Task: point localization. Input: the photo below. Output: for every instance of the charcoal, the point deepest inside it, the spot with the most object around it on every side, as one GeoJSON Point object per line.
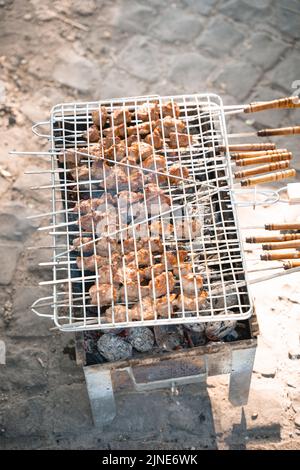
{"type": "Point", "coordinates": [113, 348]}
{"type": "Point", "coordinates": [94, 358]}
{"type": "Point", "coordinates": [195, 338]}
{"type": "Point", "coordinates": [219, 330]}
{"type": "Point", "coordinates": [169, 337]}
{"type": "Point", "coordinates": [141, 339]}
{"type": "Point", "coordinates": [195, 327]}
{"type": "Point", "coordinates": [232, 336]}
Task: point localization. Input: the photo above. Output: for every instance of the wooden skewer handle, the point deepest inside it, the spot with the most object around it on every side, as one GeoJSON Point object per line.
{"type": "Point", "coordinates": [259, 153]}
{"type": "Point", "coordinates": [279, 175]}
{"type": "Point", "coordinates": [281, 246]}
{"type": "Point", "coordinates": [262, 169]}
{"type": "Point", "coordinates": [248, 147]}
{"type": "Point", "coordinates": [291, 264]}
{"type": "Point", "coordinates": [274, 256]}
{"type": "Point", "coordinates": [279, 131]}
{"type": "Point", "coordinates": [274, 238]}
{"type": "Point", "coordinates": [264, 159]}
{"type": "Point", "coordinates": [283, 226]}
{"type": "Point", "coordinates": [282, 103]}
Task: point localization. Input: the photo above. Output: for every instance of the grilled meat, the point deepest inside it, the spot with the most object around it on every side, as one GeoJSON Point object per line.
{"type": "Point", "coordinates": [141, 257]}
{"type": "Point", "coordinates": [143, 310]}
{"type": "Point", "coordinates": [131, 167]}
{"type": "Point", "coordinates": [92, 134]}
{"type": "Point", "coordinates": [170, 109]}
{"type": "Point", "coordinates": [116, 152]}
{"type": "Point", "coordinates": [116, 313]}
{"type": "Point", "coordinates": [131, 139]}
{"type": "Point", "coordinates": [152, 271]}
{"type": "Point", "coordinates": [171, 258]}
{"type": "Point", "coordinates": [154, 139]}
{"type": "Point", "coordinates": [126, 198]}
{"type": "Point", "coordinates": [163, 283]}
{"type": "Point", "coordinates": [107, 273]}
{"type": "Point", "coordinates": [148, 112]}
{"type": "Point", "coordinates": [183, 268]}
{"type": "Point", "coordinates": [155, 162]}
{"type": "Point", "coordinates": [107, 142]}
{"type": "Point", "coordinates": [155, 244]}
{"type": "Point", "coordinates": [87, 205]}
{"type": "Point", "coordinates": [178, 170]}
{"type": "Point", "coordinates": [80, 173]}
{"type": "Point", "coordinates": [105, 244]}
{"type": "Point", "coordinates": [100, 170]}
{"type": "Point", "coordinates": [99, 220]}
{"type": "Point", "coordinates": [163, 304]}
{"type": "Point", "coordinates": [133, 292]}
{"type": "Point", "coordinates": [99, 116]}
{"type": "Point", "coordinates": [145, 128]}
{"type": "Point", "coordinates": [127, 274]}
{"type": "Point", "coordinates": [179, 140]}
{"type": "Point", "coordinates": [157, 228]}
{"type": "Point", "coordinates": [89, 263]}
{"type": "Point", "coordinates": [169, 124]}
{"type": "Point", "coordinates": [125, 131]}
{"type": "Point", "coordinates": [118, 179]}
{"type": "Point", "coordinates": [70, 156]}
{"type": "Point", "coordinates": [120, 116]}
{"type": "Point", "coordinates": [155, 195]}
{"type": "Point", "coordinates": [140, 151]}
{"type": "Point", "coordinates": [192, 284]}
{"type": "Point", "coordinates": [87, 242]}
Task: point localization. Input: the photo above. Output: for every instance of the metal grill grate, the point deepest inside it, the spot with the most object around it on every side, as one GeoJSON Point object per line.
{"type": "Point", "coordinates": [193, 219]}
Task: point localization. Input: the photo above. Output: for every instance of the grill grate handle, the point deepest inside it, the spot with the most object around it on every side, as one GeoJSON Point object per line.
{"type": "Point", "coordinates": [282, 103]}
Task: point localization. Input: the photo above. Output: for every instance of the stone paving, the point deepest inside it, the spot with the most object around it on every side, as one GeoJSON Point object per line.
{"type": "Point", "coordinates": [58, 51]}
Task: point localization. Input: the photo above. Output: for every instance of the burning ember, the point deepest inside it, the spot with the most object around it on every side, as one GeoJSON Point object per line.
{"type": "Point", "coordinates": [121, 344]}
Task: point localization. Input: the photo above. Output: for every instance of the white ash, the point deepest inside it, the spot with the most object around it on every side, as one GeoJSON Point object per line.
{"type": "Point", "coordinates": [114, 348]}
{"type": "Point", "coordinates": [218, 330]}
{"type": "Point", "coordinates": [141, 338]}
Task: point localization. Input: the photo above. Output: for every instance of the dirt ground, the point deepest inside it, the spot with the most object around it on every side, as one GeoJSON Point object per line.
{"type": "Point", "coordinates": [59, 51]}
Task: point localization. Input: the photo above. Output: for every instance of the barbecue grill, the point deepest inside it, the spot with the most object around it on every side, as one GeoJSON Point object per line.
{"type": "Point", "coordinates": [199, 219]}
{"type": "Point", "coordinates": [203, 198]}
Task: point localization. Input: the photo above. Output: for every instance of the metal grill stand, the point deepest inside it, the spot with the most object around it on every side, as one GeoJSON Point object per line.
{"type": "Point", "coordinates": [169, 370]}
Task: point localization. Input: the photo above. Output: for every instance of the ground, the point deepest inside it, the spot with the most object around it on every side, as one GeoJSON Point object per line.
{"type": "Point", "coordinates": [52, 52]}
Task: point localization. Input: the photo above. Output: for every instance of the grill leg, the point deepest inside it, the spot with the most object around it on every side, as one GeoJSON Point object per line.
{"type": "Point", "coordinates": [101, 395]}
{"type": "Point", "coordinates": [240, 376]}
